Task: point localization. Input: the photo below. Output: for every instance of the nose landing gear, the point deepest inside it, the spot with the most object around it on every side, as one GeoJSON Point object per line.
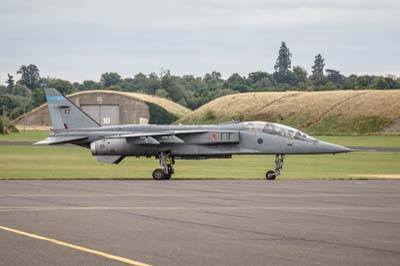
{"type": "Point", "coordinates": [166, 162]}
{"type": "Point", "coordinates": [271, 175]}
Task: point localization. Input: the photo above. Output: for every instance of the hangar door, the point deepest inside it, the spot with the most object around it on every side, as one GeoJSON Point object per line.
{"type": "Point", "coordinates": [103, 114]}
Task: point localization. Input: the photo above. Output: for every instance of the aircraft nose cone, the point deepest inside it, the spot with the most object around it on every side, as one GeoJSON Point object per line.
{"type": "Point", "coordinates": [333, 148]}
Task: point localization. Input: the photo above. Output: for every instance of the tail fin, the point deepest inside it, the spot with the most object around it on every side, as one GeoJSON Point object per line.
{"type": "Point", "coordinates": [64, 114]}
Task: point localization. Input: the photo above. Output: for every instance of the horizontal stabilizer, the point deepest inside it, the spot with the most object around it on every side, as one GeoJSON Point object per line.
{"type": "Point", "coordinates": [59, 140]}
{"type": "Point", "coordinates": [116, 159]}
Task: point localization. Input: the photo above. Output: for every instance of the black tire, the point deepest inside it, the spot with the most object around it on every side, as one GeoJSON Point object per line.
{"type": "Point", "coordinates": [270, 175]}
{"type": "Point", "coordinates": [167, 176]}
{"type": "Point", "coordinates": [158, 174]}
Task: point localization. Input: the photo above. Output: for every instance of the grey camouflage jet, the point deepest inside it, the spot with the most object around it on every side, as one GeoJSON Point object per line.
{"type": "Point", "coordinates": [111, 144]}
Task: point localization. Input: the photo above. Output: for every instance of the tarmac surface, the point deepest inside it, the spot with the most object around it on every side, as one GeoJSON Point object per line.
{"type": "Point", "coordinates": [203, 222]}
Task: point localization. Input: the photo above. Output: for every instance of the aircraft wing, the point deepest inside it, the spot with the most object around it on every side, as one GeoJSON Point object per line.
{"type": "Point", "coordinates": [197, 136]}
{"type": "Point", "coordinates": [52, 140]}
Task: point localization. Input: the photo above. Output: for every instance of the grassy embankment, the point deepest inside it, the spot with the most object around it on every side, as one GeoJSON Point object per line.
{"type": "Point", "coordinates": [358, 112]}
{"type": "Point", "coordinates": [30, 162]}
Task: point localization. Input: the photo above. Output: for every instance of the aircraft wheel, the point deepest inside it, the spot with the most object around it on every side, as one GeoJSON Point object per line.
{"type": "Point", "coordinates": [270, 175]}
{"type": "Point", "coordinates": [167, 176]}
{"type": "Point", "coordinates": [158, 174]}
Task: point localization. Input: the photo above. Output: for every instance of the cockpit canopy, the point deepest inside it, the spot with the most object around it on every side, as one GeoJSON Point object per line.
{"type": "Point", "coordinates": [278, 129]}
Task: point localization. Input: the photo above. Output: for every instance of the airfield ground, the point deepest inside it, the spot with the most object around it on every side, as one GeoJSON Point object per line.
{"type": "Point", "coordinates": [20, 160]}
{"type": "Point", "coordinates": [199, 222]}
{"type": "Point", "coordinates": [207, 222]}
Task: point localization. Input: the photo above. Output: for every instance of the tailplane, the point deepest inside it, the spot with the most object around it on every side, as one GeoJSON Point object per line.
{"type": "Point", "coordinates": [64, 114]}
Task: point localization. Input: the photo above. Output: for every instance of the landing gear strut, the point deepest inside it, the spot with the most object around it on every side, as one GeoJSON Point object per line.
{"type": "Point", "coordinates": [271, 175]}
{"type": "Point", "coordinates": [166, 162]}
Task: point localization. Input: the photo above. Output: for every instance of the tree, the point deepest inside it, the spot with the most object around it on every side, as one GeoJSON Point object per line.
{"type": "Point", "coordinates": [110, 79]}
{"type": "Point", "coordinates": [90, 85]}
{"type": "Point", "coordinates": [283, 65]}
{"type": "Point", "coordinates": [350, 82]}
{"type": "Point", "coordinates": [364, 81]}
{"type": "Point", "coordinates": [175, 89]}
{"type": "Point", "coordinates": [299, 75]}
{"type": "Point", "coordinates": [10, 84]}
{"type": "Point", "coordinates": [30, 76]}
{"type": "Point", "coordinates": [38, 96]}
{"type": "Point", "coordinates": [335, 77]}
{"type": "Point", "coordinates": [21, 90]}
{"type": "Point", "coordinates": [63, 86]}
{"type": "Point", "coordinates": [317, 77]}
{"type": "Point", "coordinates": [391, 82]}
{"type": "Point", "coordinates": [3, 90]}
{"type": "Point", "coordinates": [261, 81]}
{"type": "Point", "coordinates": [213, 80]}
{"type": "Point", "coordinates": [318, 67]}
{"type": "Point", "coordinates": [236, 83]}
{"type": "Point", "coordinates": [162, 93]}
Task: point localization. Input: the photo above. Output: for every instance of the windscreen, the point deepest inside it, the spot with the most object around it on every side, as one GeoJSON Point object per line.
{"type": "Point", "coordinates": [279, 130]}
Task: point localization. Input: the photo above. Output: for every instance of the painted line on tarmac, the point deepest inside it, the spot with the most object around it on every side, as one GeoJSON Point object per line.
{"type": "Point", "coordinates": [83, 249]}
{"type": "Point", "coordinates": [193, 208]}
{"type": "Point", "coordinates": [273, 195]}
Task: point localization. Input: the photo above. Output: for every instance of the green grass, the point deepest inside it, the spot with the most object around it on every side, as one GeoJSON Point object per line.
{"type": "Point", "coordinates": [371, 141]}
{"type": "Point", "coordinates": [33, 162]}
{"type": "Point", "coordinates": [27, 136]}
{"type": "Point", "coordinates": [341, 125]}
{"type": "Point", "coordinates": [56, 162]}
{"type": "Point", "coordinates": [363, 141]}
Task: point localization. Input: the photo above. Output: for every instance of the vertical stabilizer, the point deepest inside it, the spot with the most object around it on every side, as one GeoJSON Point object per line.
{"type": "Point", "coordinates": [64, 114]}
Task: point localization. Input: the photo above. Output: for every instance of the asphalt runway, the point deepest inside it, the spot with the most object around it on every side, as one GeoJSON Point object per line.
{"type": "Point", "coordinates": [204, 222]}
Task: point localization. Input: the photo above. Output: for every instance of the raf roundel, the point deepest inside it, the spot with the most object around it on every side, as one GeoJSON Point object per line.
{"type": "Point", "coordinates": [260, 141]}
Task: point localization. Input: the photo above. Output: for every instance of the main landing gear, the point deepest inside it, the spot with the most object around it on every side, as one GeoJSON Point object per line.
{"type": "Point", "coordinates": [271, 175]}
{"type": "Point", "coordinates": [166, 162]}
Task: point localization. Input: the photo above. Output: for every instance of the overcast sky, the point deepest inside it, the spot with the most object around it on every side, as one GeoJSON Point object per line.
{"type": "Point", "coordinates": [79, 40]}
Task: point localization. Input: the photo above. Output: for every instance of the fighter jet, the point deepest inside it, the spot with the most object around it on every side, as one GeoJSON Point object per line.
{"type": "Point", "coordinates": [167, 143]}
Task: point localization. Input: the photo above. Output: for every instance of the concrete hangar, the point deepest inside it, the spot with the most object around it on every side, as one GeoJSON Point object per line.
{"type": "Point", "coordinates": [110, 108]}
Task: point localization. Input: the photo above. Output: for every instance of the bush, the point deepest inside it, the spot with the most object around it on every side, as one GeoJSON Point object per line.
{"type": "Point", "coordinates": [159, 115]}
{"type": "Point", "coordinates": [9, 127]}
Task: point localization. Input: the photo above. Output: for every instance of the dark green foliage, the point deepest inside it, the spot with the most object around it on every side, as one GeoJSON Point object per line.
{"type": "Point", "coordinates": [110, 79]}
{"type": "Point", "coordinates": [14, 105]}
{"type": "Point", "coordinates": [299, 75]}
{"type": "Point", "coordinates": [114, 88]}
{"type": "Point", "coordinates": [38, 97]}
{"type": "Point", "coordinates": [3, 90]}
{"type": "Point", "coordinates": [9, 126]}
{"type": "Point", "coordinates": [21, 90]}
{"type": "Point", "coordinates": [318, 78]}
{"type": "Point", "coordinates": [237, 83]}
{"type": "Point", "coordinates": [63, 86]}
{"type": "Point", "coordinates": [90, 85]}
{"type": "Point", "coordinates": [261, 81]}
{"type": "Point", "coordinates": [318, 67]}
{"type": "Point", "coordinates": [283, 65]}
{"type": "Point", "coordinates": [194, 91]}
{"type": "Point", "coordinates": [159, 115]}
{"type": "Point", "coordinates": [335, 78]}
{"type": "Point", "coordinates": [10, 84]}
{"type": "Point", "coordinates": [30, 76]}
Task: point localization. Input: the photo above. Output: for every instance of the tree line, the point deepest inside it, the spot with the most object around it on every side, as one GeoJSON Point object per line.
{"type": "Point", "coordinates": [189, 90]}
